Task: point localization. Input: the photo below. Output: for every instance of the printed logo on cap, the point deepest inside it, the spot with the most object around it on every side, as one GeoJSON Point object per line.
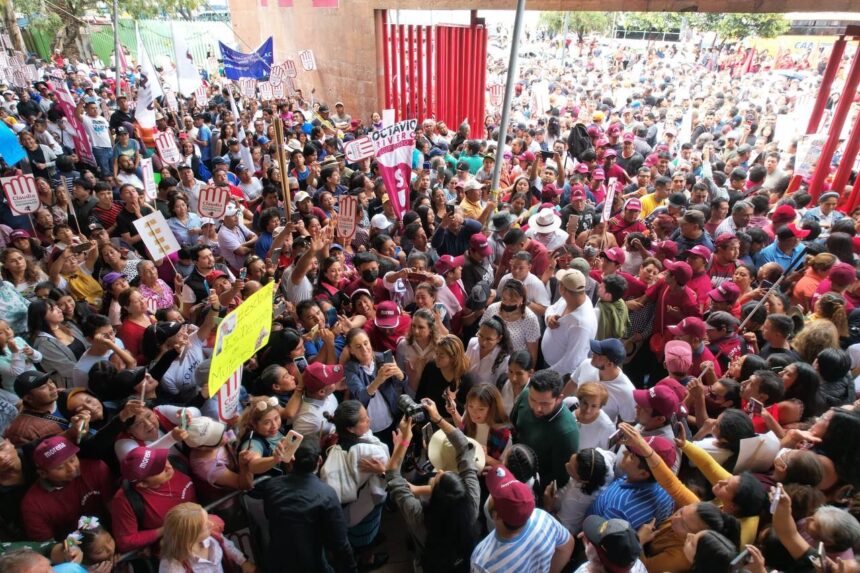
{"type": "Point", "coordinates": [55, 450]}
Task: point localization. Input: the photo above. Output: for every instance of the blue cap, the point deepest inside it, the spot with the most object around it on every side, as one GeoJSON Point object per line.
{"type": "Point", "coordinates": [335, 247]}
{"type": "Point", "coordinates": [263, 140]}
{"type": "Point", "coordinates": [611, 348]}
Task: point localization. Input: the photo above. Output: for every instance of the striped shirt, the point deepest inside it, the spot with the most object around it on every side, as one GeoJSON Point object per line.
{"type": "Point", "coordinates": [635, 502]}
{"type": "Point", "coordinates": [530, 551]}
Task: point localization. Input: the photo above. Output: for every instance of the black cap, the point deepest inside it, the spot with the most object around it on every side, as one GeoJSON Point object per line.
{"type": "Point", "coordinates": [127, 379]}
{"type": "Point", "coordinates": [615, 540]}
{"type": "Point", "coordinates": [155, 335]}
{"type": "Point", "coordinates": [478, 296]}
{"type": "Point", "coordinates": [30, 380]}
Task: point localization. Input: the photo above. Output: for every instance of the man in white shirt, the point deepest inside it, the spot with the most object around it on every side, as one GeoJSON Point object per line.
{"type": "Point", "coordinates": [296, 282]}
{"type": "Point", "coordinates": [250, 185]}
{"type": "Point", "coordinates": [604, 367]}
{"type": "Point", "coordinates": [234, 239]}
{"type": "Point", "coordinates": [571, 323]}
{"type": "Point", "coordinates": [98, 132]}
{"type": "Point", "coordinates": [319, 382]}
{"type": "Point", "coordinates": [189, 185]}
{"type": "Point", "coordinates": [521, 266]}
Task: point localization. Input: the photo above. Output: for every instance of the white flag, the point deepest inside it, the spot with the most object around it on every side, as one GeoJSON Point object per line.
{"type": "Point", "coordinates": [148, 90]}
{"type": "Point", "coordinates": [188, 78]}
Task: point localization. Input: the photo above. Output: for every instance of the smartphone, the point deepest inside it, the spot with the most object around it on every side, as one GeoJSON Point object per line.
{"type": "Point", "coordinates": [250, 440]}
{"type": "Point", "coordinates": [301, 363]}
{"type": "Point", "coordinates": [426, 433]}
{"type": "Point", "coordinates": [279, 309]}
{"type": "Point", "coordinates": [615, 438]}
{"type": "Point", "coordinates": [82, 248]}
{"type": "Point", "coordinates": [774, 502]}
{"type": "Point", "coordinates": [276, 255]}
{"type": "Point", "coordinates": [449, 209]}
{"type": "Point", "coordinates": [293, 440]}
{"type": "Point", "coordinates": [243, 274]}
{"type": "Point", "coordinates": [386, 357]}
{"type": "Point", "coordinates": [754, 406]}
{"type": "Point", "coordinates": [739, 562]}
{"type": "Point", "coordinates": [295, 217]}
{"type": "Point", "coordinates": [547, 154]}
{"type": "Point", "coordinates": [572, 224]}
{"type": "Point", "coordinates": [766, 285]}
{"type": "Point", "coordinates": [183, 419]}
{"type": "Point", "coordinates": [206, 286]}
{"type": "Point", "coordinates": [822, 555]}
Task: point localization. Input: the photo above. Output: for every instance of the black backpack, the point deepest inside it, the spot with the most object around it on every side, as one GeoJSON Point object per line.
{"type": "Point", "coordinates": [135, 500]}
{"type": "Point", "coordinates": [578, 142]}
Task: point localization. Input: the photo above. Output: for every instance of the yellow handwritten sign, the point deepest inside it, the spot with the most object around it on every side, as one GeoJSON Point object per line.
{"type": "Point", "coordinates": [240, 335]}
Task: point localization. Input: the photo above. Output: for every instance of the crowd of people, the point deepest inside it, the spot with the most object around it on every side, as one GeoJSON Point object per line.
{"type": "Point", "coordinates": [637, 354]}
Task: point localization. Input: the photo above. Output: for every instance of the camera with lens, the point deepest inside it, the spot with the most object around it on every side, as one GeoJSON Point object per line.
{"type": "Point", "coordinates": [411, 408]}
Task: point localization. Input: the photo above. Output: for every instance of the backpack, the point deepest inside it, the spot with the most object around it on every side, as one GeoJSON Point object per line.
{"type": "Point", "coordinates": [578, 142]}
{"type": "Point", "coordinates": [135, 500]}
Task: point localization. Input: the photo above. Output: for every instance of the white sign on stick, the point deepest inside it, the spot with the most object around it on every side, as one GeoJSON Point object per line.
{"type": "Point", "coordinates": [228, 396]}
{"type": "Point", "coordinates": [346, 217]}
{"type": "Point", "coordinates": [359, 149]}
{"type": "Point", "coordinates": [167, 149]}
{"type": "Point", "coordinates": [21, 193]}
{"type": "Point", "coordinates": [156, 235]}
{"type": "Point", "coordinates": [150, 189]}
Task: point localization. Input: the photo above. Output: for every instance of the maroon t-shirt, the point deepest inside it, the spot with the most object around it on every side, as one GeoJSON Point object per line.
{"type": "Point", "coordinates": [54, 514]}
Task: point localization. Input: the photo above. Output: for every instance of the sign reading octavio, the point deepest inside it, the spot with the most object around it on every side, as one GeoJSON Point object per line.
{"type": "Point", "coordinates": [212, 202]}
{"type": "Point", "coordinates": [21, 193]}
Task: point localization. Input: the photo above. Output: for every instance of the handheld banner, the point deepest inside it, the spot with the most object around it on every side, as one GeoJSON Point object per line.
{"type": "Point", "coordinates": [166, 146]}
{"type": "Point", "coordinates": [212, 202]}
{"type": "Point", "coordinates": [394, 147]}
{"type": "Point", "coordinates": [240, 335]}
{"type": "Point", "coordinates": [156, 235]}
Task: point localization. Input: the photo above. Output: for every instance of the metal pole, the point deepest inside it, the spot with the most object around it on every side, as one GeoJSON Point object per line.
{"type": "Point", "coordinates": [509, 94]}
{"type": "Point", "coordinates": [564, 40]}
{"type": "Point", "coordinates": [117, 47]}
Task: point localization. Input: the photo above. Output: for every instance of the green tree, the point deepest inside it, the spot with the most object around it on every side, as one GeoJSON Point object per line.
{"type": "Point", "coordinates": [733, 27]}
{"type": "Point", "coordinates": [580, 23]}
{"type": "Point", "coordinates": [63, 19]}
{"type": "Point", "coordinates": [652, 21]}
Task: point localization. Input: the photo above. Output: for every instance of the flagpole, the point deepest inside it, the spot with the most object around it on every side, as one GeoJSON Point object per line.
{"type": "Point", "coordinates": [117, 47]}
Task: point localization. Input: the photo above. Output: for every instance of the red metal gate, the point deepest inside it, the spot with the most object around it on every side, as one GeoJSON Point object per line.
{"type": "Point", "coordinates": [436, 71]}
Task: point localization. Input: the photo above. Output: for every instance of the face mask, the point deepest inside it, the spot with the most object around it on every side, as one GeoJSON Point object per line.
{"type": "Point", "coordinates": [509, 307]}
{"type": "Point", "coordinates": [369, 275]}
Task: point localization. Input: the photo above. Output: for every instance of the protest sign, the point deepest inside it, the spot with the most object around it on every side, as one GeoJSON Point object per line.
{"type": "Point", "coordinates": [394, 147]}
{"type": "Point", "coordinates": [240, 335]}
{"type": "Point", "coordinates": [22, 194]}
{"type": "Point", "coordinates": [156, 235]}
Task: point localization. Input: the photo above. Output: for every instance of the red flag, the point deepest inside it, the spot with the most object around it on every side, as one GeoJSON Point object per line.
{"type": "Point", "coordinates": [325, 3]}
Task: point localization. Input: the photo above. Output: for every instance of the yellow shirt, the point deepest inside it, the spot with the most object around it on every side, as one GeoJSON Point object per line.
{"type": "Point", "coordinates": [471, 210]}
{"type": "Point", "coordinates": [649, 203]}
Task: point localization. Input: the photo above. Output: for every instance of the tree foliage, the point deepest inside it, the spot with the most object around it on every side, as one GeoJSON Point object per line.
{"type": "Point", "coordinates": [64, 19]}
{"type": "Point", "coordinates": [730, 27]}
{"type": "Point", "coordinates": [652, 21]}
{"type": "Point", "coordinates": [579, 23]}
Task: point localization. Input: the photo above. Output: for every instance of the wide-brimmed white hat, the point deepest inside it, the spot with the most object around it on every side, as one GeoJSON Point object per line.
{"type": "Point", "coordinates": [545, 221]}
{"type": "Point", "coordinates": [443, 456]}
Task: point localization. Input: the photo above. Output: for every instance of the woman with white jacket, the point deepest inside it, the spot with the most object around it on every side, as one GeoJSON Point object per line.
{"type": "Point", "coordinates": [590, 471]}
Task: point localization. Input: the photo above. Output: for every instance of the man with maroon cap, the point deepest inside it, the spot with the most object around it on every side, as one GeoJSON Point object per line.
{"type": "Point", "coordinates": [67, 488]}
{"type": "Point", "coordinates": [525, 538]}
{"type": "Point", "coordinates": [724, 297]}
{"type": "Point", "coordinates": [598, 189]}
{"type": "Point", "coordinates": [577, 207]}
{"type": "Point", "coordinates": [699, 257]}
{"type": "Point", "coordinates": [782, 215]}
{"type": "Point", "coordinates": [477, 267]}
{"type": "Point", "coordinates": [694, 332]}
{"type": "Point", "coordinates": [784, 249]}
{"type": "Point", "coordinates": [628, 158]}
{"type": "Point", "coordinates": [389, 326]}
{"type": "Point", "coordinates": [318, 384]}
{"type": "Point", "coordinates": [152, 487]}
{"type": "Point", "coordinates": [725, 260]}
{"type": "Point", "coordinates": [628, 221]}
{"type": "Point", "coordinates": [453, 294]}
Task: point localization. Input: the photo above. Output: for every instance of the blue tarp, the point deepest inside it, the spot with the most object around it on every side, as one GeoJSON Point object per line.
{"type": "Point", "coordinates": [257, 64]}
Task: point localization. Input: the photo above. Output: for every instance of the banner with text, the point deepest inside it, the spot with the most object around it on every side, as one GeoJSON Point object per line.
{"type": "Point", "coordinates": [394, 147]}
{"type": "Point", "coordinates": [257, 64]}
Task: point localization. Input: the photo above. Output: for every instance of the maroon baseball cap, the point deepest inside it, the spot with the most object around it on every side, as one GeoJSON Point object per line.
{"type": "Point", "coordinates": [659, 398]}
{"type": "Point", "coordinates": [447, 263]}
{"type": "Point", "coordinates": [582, 168]}
{"type": "Point", "coordinates": [783, 214]}
{"type": "Point", "coordinates": [387, 315]}
{"type": "Point", "coordinates": [666, 248]}
{"type": "Point", "coordinates": [690, 326]}
{"type": "Point", "coordinates": [513, 500]}
{"type": "Point", "coordinates": [797, 231]}
{"type": "Point", "coordinates": [143, 462]}
{"type": "Point", "coordinates": [701, 251]}
{"type": "Point", "coordinates": [598, 174]}
{"type": "Point", "coordinates": [19, 234]}
{"type": "Point", "coordinates": [611, 153]}
{"type": "Point", "coordinates": [663, 447]}
{"type": "Point", "coordinates": [680, 270]}
{"type": "Point", "coordinates": [53, 452]}
{"type": "Point", "coordinates": [616, 255]}
{"type": "Point", "coordinates": [527, 156]}
{"type": "Point", "coordinates": [842, 274]}
{"type": "Point", "coordinates": [628, 136]}
{"type": "Point", "coordinates": [726, 292]}
{"type": "Point", "coordinates": [633, 204]}
{"type": "Point", "coordinates": [679, 389]}
{"type": "Point", "coordinates": [724, 239]}
{"type": "Point", "coordinates": [602, 142]}
{"type": "Point", "coordinates": [318, 375]}
{"type": "Point", "coordinates": [614, 129]}
{"type": "Point", "coordinates": [577, 193]}
{"type": "Point", "coordinates": [479, 243]}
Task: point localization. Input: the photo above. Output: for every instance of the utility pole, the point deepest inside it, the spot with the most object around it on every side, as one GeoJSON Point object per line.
{"type": "Point", "coordinates": [117, 47]}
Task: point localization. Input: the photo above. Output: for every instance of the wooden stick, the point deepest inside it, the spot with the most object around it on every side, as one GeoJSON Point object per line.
{"type": "Point", "coordinates": [282, 165]}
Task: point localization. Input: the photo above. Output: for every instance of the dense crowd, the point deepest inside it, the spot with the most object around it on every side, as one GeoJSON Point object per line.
{"type": "Point", "coordinates": [637, 354]}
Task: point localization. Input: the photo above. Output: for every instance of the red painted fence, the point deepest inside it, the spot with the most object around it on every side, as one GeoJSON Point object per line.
{"type": "Point", "coordinates": [436, 71]}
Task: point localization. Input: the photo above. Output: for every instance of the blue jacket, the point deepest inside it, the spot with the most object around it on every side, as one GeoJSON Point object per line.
{"type": "Point", "coordinates": [357, 380]}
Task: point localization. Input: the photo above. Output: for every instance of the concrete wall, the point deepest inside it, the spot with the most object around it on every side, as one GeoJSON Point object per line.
{"type": "Point", "coordinates": [344, 39]}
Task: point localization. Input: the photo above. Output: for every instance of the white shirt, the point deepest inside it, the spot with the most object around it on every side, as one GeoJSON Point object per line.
{"type": "Point", "coordinates": [535, 289]}
{"type": "Point", "coordinates": [572, 503]}
{"type": "Point", "coordinates": [586, 567]}
{"type": "Point", "coordinates": [596, 434]}
{"type": "Point", "coordinates": [551, 241]}
{"type": "Point", "coordinates": [180, 375]}
{"type": "Point", "coordinates": [620, 389]}
{"type": "Point", "coordinates": [310, 420]}
{"type": "Point", "coordinates": [295, 293]}
{"type": "Point", "coordinates": [251, 189]}
{"type": "Point", "coordinates": [98, 130]}
{"type": "Point", "coordinates": [231, 239]}
{"type": "Point", "coordinates": [567, 345]}
{"type": "Point", "coordinates": [481, 369]}
{"type": "Point", "coordinates": [193, 194]}
{"type": "Point", "coordinates": [212, 563]}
